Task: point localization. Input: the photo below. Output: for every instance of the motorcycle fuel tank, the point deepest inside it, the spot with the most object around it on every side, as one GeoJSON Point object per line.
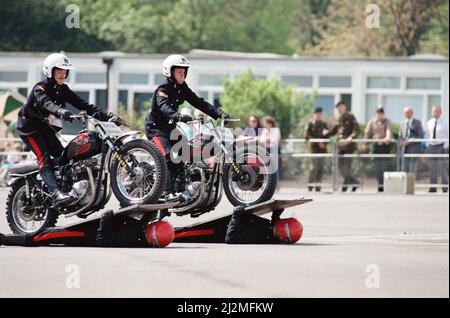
{"type": "Point", "coordinates": [83, 146]}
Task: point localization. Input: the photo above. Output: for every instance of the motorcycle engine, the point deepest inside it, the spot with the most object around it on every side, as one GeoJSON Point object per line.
{"type": "Point", "coordinates": [81, 191]}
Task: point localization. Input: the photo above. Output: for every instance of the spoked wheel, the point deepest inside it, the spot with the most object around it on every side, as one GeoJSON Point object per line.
{"type": "Point", "coordinates": [25, 219]}
{"type": "Point", "coordinates": [146, 184]}
{"type": "Point", "coordinates": [255, 184]}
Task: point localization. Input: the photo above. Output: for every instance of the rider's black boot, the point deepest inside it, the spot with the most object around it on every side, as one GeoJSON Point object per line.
{"type": "Point", "coordinates": [59, 197]}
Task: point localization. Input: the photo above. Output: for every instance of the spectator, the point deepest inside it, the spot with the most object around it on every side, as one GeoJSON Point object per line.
{"type": "Point", "coordinates": [11, 159]}
{"type": "Point", "coordinates": [314, 130]}
{"type": "Point", "coordinates": [347, 128]}
{"type": "Point", "coordinates": [270, 137]}
{"type": "Point", "coordinates": [379, 128]}
{"type": "Point", "coordinates": [411, 128]}
{"type": "Point", "coordinates": [253, 126]}
{"type": "Point", "coordinates": [437, 130]}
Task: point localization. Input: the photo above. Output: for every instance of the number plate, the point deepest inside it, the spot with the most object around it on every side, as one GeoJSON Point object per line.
{"type": "Point", "coordinates": [111, 129]}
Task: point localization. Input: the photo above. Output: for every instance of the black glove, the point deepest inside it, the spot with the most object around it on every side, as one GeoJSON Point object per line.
{"type": "Point", "coordinates": [116, 119]}
{"type": "Point", "coordinates": [184, 118]}
{"type": "Point", "coordinates": [64, 114]}
{"type": "Point", "coordinates": [224, 116]}
{"type": "Point", "coordinates": [101, 115]}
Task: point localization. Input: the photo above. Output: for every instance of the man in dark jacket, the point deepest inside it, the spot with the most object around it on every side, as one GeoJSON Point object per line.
{"type": "Point", "coordinates": [247, 228]}
{"type": "Point", "coordinates": [164, 113]}
{"type": "Point", "coordinates": [108, 231]}
{"type": "Point", "coordinates": [410, 128]}
{"type": "Point", "coordinates": [41, 117]}
{"type": "Point", "coordinates": [347, 129]}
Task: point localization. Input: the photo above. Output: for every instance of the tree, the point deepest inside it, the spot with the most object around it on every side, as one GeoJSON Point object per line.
{"type": "Point", "coordinates": [39, 25]}
{"type": "Point", "coordinates": [245, 96]}
{"type": "Point", "coordinates": [436, 38]}
{"type": "Point", "coordinates": [411, 19]}
{"type": "Point", "coordinates": [307, 27]}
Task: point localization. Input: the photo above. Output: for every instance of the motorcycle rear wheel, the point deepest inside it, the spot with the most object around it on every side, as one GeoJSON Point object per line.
{"type": "Point", "coordinates": [25, 220]}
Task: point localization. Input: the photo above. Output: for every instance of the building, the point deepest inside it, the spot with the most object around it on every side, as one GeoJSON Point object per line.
{"type": "Point", "coordinates": [419, 81]}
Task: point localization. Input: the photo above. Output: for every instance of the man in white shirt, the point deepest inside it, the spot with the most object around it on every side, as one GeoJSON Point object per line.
{"type": "Point", "coordinates": [411, 128]}
{"type": "Point", "coordinates": [437, 133]}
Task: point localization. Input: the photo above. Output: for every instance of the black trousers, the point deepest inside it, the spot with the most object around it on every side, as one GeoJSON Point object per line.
{"type": "Point", "coordinates": [381, 164]}
{"type": "Point", "coordinates": [161, 138]}
{"type": "Point", "coordinates": [345, 168]}
{"type": "Point", "coordinates": [249, 229]}
{"type": "Point", "coordinates": [44, 144]}
{"type": "Point", "coordinates": [317, 166]}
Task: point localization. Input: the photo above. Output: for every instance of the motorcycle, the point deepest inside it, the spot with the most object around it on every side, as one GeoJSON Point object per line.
{"type": "Point", "coordinates": [95, 162]}
{"type": "Point", "coordinates": [219, 162]}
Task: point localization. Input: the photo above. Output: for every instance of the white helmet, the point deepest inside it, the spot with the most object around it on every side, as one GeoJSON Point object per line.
{"type": "Point", "coordinates": [172, 61]}
{"type": "Point", "coordinates": [56, 60]}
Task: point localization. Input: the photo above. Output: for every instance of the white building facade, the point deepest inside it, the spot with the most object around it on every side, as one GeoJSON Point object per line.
{"type": "Point", "coordinates": [418, 82]}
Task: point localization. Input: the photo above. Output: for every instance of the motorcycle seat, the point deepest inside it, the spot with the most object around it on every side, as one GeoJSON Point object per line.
{"type": "Point", "coordinates": [24, 167]}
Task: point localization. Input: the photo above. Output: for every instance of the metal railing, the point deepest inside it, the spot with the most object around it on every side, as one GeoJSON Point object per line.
{"type": "Point", "coordinates": [332, 159]}
{"type": "Point", "coordinates": [395, 159]}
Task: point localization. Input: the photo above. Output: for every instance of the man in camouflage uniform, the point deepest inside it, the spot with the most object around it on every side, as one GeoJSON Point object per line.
{"type": "Point", "coordinates": [346, 128]}
{"type": "Point", "coordinates": [314, 130]}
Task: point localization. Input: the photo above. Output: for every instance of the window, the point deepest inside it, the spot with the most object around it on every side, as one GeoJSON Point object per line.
{"type": "Point", "coordinates": [203, 94]}
{"type": "Point", "coordinates": [13, 76]}
{"type": "Point", "coordinates": [394, 105]}
{"type": "Point", "coordinates": [210, 80]}
{"type": "Point", "coordinates": [91, 78]}
{"type": "Point", "coordinates": [133, 78]}
{"type": "Point", "coordinates": [433, 100]}
{"type": "Point", "coordinates": [299, 81]}
{"type": "Point", "coordinates": [335, 81]}
{"type": "Point", "coordinates": [159, 79]}
{"type": "Point", "coordinates": [142, 102]}
{"type": "Point", "coordinates": [23, 91]}
{"type": "Point", "coordinates": [383, 82]}
{"type": "Point", "coordinates": [123, 98]}
{"type": "Point", "coordinates": [371, 105]}
{"type": "Point", "coordinates": [72, 128]}
{"type": "Point", "coordinates": [347, 99]}
{"type": "Point", "coordinates": [216, 99]}
{"type": "Point", "coordinates": [100, 98]}
{"type": "Point", "coordinates": [327, 104]}
{"type": "Point", "coordinates": [423, 83]}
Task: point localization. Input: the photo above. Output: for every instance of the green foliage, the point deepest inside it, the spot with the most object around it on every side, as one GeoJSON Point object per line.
{"type": "Point", "coordinates": [307, 27]}
{"type": "Point", "coordinates": [246, 95]}
{"type": "Point", "coordinates": [136, 120]}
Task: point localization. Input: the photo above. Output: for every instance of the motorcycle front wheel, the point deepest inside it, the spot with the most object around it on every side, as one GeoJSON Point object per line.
{"type": "Point", "coordinates": [146, 184]}
{"type": "Point", "coordinates": [256, 183]}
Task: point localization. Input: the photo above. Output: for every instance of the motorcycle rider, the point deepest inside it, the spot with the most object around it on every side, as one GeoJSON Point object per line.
{"type": "Point", "coordinates": [42, 115]}
{"type": "Point", "coordinates": [164, 114]}
{"type": "Point", "coordinates": [245, 228]}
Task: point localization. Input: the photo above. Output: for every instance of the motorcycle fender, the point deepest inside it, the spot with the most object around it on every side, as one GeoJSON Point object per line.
{"type": "Point", "coordinates": [13, 180]}
{"type": "Point", "coordinates": [133, 134]}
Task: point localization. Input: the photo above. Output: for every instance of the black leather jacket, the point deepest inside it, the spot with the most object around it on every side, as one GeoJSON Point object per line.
{"type": "Point", "coordinates": [166, 101]}
{"type": "Point", "coordinates": [45, 99]}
